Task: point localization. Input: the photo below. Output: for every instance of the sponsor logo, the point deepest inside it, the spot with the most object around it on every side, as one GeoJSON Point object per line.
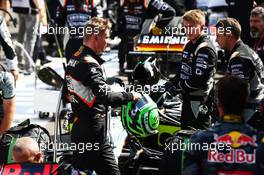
{"type": "Point", "coordinates": [162, 39]}
{"type": "Point", "coordinates": [236, 139]}
{"type": "Point", "coordinates": [235, 155]}
{"type": "Point", "coordinates": [186, 69]}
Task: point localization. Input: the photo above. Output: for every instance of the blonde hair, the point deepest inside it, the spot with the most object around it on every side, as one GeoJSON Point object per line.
{"type": "Point", "coordinates": [196, 16]}
{"type": "Point", "coordinates": [98, 26]}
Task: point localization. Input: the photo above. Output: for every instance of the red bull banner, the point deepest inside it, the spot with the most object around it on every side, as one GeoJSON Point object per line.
{"type": "Point", "coordinates": [29, 169]}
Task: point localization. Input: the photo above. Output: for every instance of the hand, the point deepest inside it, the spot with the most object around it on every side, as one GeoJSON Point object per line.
{"type": "Point", "coordinates": [136, 96]}
{"type": "Point", "coordinates": [169, 86]}
{"type": "Point", "coordinates": [15, 73]}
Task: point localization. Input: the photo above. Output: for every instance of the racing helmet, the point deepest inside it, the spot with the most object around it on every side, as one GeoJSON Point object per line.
{"type": "Point", "coordinates": [141, 119]}
{"type": "Point", "coordinates": [146, 73]}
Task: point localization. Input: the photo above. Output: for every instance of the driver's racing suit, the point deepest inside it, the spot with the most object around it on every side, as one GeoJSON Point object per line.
{"type": "Point", "coordinates": [89, 96]}
{"type": "Point", "coordinates": [195, 82]}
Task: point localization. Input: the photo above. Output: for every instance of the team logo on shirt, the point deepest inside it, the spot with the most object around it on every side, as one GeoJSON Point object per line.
{"type": "Point", "coordinates": [235, 140]}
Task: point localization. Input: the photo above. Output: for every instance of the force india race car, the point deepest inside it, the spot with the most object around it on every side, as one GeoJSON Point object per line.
{"type": "Point", "coordinates": [166, 47]}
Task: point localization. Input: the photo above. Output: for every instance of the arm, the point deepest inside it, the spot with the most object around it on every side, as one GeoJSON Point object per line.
{"type": "Point", "coordinates": [240, 67]}
{"type": "Point", "coordinates": [43, 15]}
{"type": "Point", "coordinates": [9, 111]}
{"type": "Point", "coordinates": [8, 101]}
{"type": "Point", "coordinates": [94, 79]}
{"type": "Point", "coordinates": [36, 2]}
{"type": "Point", "coordinates": [161, 7]}
{"type": "Point", "coordinates": [7, 44]}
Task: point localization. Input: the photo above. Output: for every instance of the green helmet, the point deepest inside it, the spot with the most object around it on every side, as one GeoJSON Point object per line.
{"type": "Point", "coordinates": [141, 119]}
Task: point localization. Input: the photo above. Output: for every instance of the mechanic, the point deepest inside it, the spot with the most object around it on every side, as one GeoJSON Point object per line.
{"type": "Point", "coordinates": [195, 80]}
{"type": "Point", "coordinates": [7, 87]}
{"type": "Point", "coordinates": [232, 145]}
{"type": "Point", "coordinates": [75, 13]}
{"type": "Point", "coordinates": [242, 62]}
{"type": "Point", "coordinates": [131, 16]}
{"type": "Point", "coordinates": [7, 45]}
{"type": "Point", "coordinates": [89, 96]}
{"type": "Point", "coordinates": [26, 149]}
{"type": "Point", "coordinates": [256, 23]}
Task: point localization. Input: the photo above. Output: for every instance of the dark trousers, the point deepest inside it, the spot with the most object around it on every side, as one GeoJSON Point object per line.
{"type": "Point", "coordinates": [99, 156]}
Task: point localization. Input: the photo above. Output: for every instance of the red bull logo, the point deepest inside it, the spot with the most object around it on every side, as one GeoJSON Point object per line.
{"type": "Point", "coordinates": [234, 156]}
{"type": "Point", "coordinates": [236, 139]}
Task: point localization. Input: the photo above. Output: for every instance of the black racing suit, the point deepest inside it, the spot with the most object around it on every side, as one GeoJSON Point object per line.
{"type": "Point", "coordinates": [195, 82]}
{"type": "Point", "coordinates": [236, 149]}
{"type": "Point", "coordinates": [245, 63]}
{"type": "Point", "coordinates": [131, 17]}
{"type": "Point", "coordinates": [90, 96]}
{"type": "Point", "coordinates": [75, 15]}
